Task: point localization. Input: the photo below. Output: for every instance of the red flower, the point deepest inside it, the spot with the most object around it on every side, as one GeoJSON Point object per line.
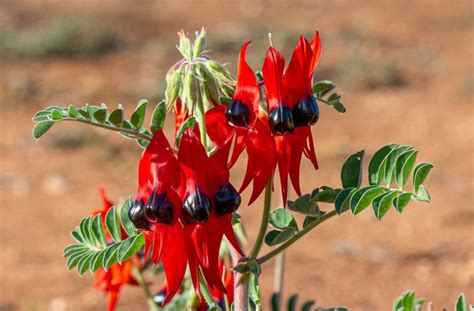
{"type": "Point", "coordinates": [292, 108]}
{"type": "Point", "coordinates": [283, 135]}
{"type": "Point", "coordinates": [184, 206]}
{"type": "Point", "coordinates": [118, 275]}
{"type": "Point", "coordinates": [242, 119]}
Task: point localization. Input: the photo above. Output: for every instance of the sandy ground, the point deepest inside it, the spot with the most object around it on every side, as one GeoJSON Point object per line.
{"type": "Point", "coordinates": [422, 94]}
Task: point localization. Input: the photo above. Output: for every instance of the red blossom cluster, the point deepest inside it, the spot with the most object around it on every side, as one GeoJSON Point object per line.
{"type": "Point", "coordinates": [185, 201]}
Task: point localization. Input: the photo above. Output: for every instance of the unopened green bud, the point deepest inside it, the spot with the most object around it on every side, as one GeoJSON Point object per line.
{"type": "Point", "coordinates": [199, 43]}
{"type": "Point", "coordinates": [173, 88]}
{"type": "Point", "coordinates": [185, 46]}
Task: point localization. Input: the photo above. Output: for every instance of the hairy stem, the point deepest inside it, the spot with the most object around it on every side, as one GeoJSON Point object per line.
{"type": "Point", "coordinates": [133, 133]}
{"type": "Point", "coordinates": [263, 226]}
{"type": "Point", "coordinates": [241, 282]}
{"type": "Point", "coordinates": [297, 236]}
{"type": "Point", "coordinates": [142, 282]}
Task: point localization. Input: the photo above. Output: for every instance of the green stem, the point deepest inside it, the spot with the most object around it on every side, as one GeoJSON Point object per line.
{"type": "Point", "coordinates": [263, 226]}
{"type": "Point", "coordinates": [142, 282]}
{"type": "Point", "coordinates": [322, 100]}
{"type": "Point", "coordinates": [297, 236]}
{"type": "Point", "coordinates": [133, 133]}
{"type": "Point", "coordinates": [206, 294]}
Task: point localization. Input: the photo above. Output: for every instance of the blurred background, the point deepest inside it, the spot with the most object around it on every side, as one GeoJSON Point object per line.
{"type": "Point", "coordinates": [404, 68]}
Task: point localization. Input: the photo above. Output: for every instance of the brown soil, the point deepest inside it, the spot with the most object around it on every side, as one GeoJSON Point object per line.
{"type": "Point", "coordinates": [425, 99]}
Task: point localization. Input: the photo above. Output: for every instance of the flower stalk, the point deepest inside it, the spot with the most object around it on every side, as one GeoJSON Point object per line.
{"type": "Point", "coordinates": [264, 225]}
{"type": "Point", "coordinates": [143, 284]}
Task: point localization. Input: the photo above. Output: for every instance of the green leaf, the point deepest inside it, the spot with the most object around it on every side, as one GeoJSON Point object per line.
{"type": "Point", "coordinates": [84, 229]}
{"type": "Point", "coordinates": [76, 235]}
{"type": "Point", "coordinates": [159, 116]}
{"type": "Point", "coordinates": [74, 259]}
{"type": "Point", "coordinates": [461, 304]}
{"type": "Point", "coordinates": [98, 230]}
{"type": "Point", "coordinates": [334, 98]}
{"type": "Point", "coordinates": [423, 195]}
{"type": "Point", "coordinates": [323, 87]}
{"type": "Point", "coordinates": [72, 111]}
{"type": "Point", "coordinates": [100, 115]}
{"type": "Point", "coordinates": [351, 173]}
{"type": "Point", "coordinates": [138, 115]}
{"type": "Point", "coordinates": [189, 122]}
{"type": "Point", "coordinates": [130, 247]}
{"type": "Point", "coordinates": [292, 302]}
{"type": "Point", "coordinates": [254, 290]}
{"type": "Point", "coordinates": [339, 107]}
{"type": "Point", "coordinates": [274, 301]}
{"type": "Point", "coordinates": [305, 206]}
{"type": "Point", "coordinates": [404, 165]}
{"type": "Point", "coordinates": [225, 100]}
{"type": "Point", "coordinates": [308, 220]}
{"type": "Point", "coordinates": [111, 255]}
{"type": "Point", "coordinates": [383, 202]}
{"type": "Point", "coordinates": [41, 128]}
{"type": "Point", "coordinates": [391, 163]}
{"type": "Point", "coordinates": [143, 142]}
{"type": "Point", "coordinates": [84, 112]}
{"type": "Point", "coordinates": [280, 218]}
{"type": "Point", "coordinates": [126, 222]}
{"type": "Point", "coordinates": [307, 306]}
{"type": "Point", "coordinates": [113, 224]}
{"type": "Point", "coordinates": [97, 260]}
{"type": "Point", "coordinates": [73, 249]}
{"type": "Point", "coordinates": [363, 197]}
{"type": "Point", "coordinates": [56, 115]}
{"type": "Point", "coordinates": [45, 114]}
{"type": "Point", "coordinates": [419, 176]}
{"type": "Point", "coordinates": [402, 201]}
{"type": "Point", "coordinates": [377, 164]}
{"type": "Point", "coordinates": [324, 194]}
{"type": "Point", "coordinates": [254, 267]}
{"type": "Point", "coordinates": [91, 110]}
{"type": "Point", "coordinates": [341, 204]}
{"type": "Point", "coordinates": [275, 237]}
{"type": "Point", "coordinates": [116, 116]}
{"type": "Point", "coordinates": [84, 263]}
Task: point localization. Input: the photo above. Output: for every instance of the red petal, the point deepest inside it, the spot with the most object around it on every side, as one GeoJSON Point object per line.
{"type": "Point", "coordinates": [211, 239]}
{"type": "Point", "coordinates": [158, 160]}
{"type": "Point", "coordinates": [174, 260]}
{"type": "Point", "coordinates": [247, 89]}
{"type": "Point", "coordinates": [309, 150]}
{"type": "Point", "coordinates": [113, 297]}
{"type": "Point", "coordinates": [316, 47]}
{"type": "Point", "coordinates": [272, 74]}
{"type": "Point", "coordinates": [181, 114]}
{"type": "Point", "coordinates": [297, 78]}
{"type": "Point", "coordinates": [302, 143]}
{"type": "Point", "coordinates": [193, 158]}
{"type": "Point", "coordinates": [230, 234]}
{"type": "Point", "coordinates": [240, 135]}
{"type": "Point", "coordinates": [192, 258]}
{"type": "Point", "coordinates": [283, 151]}
{"type": "Point", "coordinates": [217, 127]}
{"type": "Point", "coordinates": [261, 162]}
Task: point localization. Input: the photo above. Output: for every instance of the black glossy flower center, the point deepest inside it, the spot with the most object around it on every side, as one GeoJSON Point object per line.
{"type": "Point", "coordinates": [227, 200]}
{"type": "Point", "coordinates": [196, 207]}
{"type": "Point", "coordinates": [280, 120]}
{"type": "Point", "coordinates": [136, 214]}
{"type": "Point", "coordinates": [237, 113]}
{"type": "Point", "coordinates": [159, 209]}
{"type": "Point", "coordinates": [306, 112]}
